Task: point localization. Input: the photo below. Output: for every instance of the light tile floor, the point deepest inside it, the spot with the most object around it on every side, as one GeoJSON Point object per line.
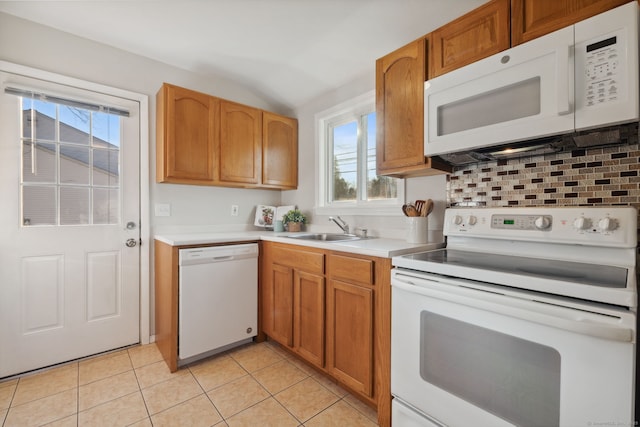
{"type": "Point", "coordinates": [253, 385]}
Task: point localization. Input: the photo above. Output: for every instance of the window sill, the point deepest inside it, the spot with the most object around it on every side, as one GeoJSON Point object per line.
{"type": "Point", "coordinates": [359, 210]}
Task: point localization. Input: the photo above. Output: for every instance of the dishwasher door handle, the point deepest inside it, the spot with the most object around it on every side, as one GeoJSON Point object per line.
{"type": "Point", "coordinates": [222, 258]}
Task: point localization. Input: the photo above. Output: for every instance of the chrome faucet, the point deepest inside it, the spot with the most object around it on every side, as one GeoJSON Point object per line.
{"type": "Point", "coordinates": [342, 224]}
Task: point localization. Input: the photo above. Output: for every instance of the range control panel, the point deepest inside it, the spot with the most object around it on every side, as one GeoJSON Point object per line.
{"type": "Point", "coordinates": [522, 222]}
{"type": "Point", "coordinates": [611, 226]}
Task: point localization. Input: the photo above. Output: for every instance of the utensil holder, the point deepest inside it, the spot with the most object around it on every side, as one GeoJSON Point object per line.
{"type": "Point", "coordinates": [417, 229]}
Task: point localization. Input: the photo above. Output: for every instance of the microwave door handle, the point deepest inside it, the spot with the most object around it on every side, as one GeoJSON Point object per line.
{"type": "Point", "coordinates": [562, 79]}
{"type": "Point", "coordinates": [529, 311]}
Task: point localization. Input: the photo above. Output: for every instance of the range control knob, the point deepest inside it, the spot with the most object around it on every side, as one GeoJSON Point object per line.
{"type": "Point", "coordinates": [472, 220]}
{"type": "Point", "coordinates": [456, 220]}
{"type": "Point", "coordinates": [607, 224]}
{"type": "Point", "coordinates": [542, 223]}
{"type": "Point", "coordinates": [581, 223]}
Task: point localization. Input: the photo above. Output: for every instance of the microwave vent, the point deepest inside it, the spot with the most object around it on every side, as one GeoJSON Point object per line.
{"type": "Point", "coordinates": [598, 138]}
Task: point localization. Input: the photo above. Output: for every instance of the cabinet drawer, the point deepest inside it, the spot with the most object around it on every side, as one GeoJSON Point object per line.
{"type": "Point", "coordinates": [352, 269]}
{"type": "Point", "coordinates": [305, 260]}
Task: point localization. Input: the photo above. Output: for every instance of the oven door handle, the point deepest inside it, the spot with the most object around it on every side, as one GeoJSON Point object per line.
{"type": "Point", "coordinates": [566, 318]}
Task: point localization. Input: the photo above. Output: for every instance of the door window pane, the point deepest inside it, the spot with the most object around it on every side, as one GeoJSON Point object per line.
{"type": "Point", "coordinates": [515, 379]}
{"type": "Point", "coordinates": [105, 130]}
{"type": "Point", "coordinates": [74, 206]}
{"type": "Point", "coordinates": [74, 164]}
{"type": "Point", "coordinates": [77, 153]}
{"type": "Point", "coordinates": [74, 125]}
{"type": "Point", "coordinates": [105, 167]}
{"type": "Point", "coordinates": [39, 120]}
{"type": "Point", "coordinates": [39, 165]}
{"type": "Point", "coordinates": [39, 205]}
{"type": "Point", "coordinates": [105, 206]}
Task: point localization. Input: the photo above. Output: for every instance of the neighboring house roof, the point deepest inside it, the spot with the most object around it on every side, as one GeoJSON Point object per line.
{"type": "Point", "coordinates": [45, 132]}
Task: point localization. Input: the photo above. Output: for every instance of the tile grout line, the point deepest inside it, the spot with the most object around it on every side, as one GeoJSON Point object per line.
{"type": "Point", "coordinates": [78, 397]}
{"type": "Point", "coordinates": [146, 408]}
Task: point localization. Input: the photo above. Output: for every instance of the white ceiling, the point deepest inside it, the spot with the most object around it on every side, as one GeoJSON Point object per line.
{"type": "Point", "coordinates": [289, 51]}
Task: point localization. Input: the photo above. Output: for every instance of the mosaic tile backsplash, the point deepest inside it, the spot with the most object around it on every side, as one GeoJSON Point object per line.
{"type": "Point", "coordinates": [592, 176]}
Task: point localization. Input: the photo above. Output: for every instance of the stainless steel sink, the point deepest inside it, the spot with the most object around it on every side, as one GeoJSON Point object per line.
{"type": "Point", "coordinates": [325, 237]}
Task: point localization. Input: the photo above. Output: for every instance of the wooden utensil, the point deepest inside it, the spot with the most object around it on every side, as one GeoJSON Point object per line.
{"type": "Point", "coordinates": [410, 210]}
{"type": "Point", "coordinates": [428, 207]}
{"type": "Point", "coordinates": [420, 207]}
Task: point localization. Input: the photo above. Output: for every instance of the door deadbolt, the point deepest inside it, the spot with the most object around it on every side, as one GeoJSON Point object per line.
{"type": "Point", "coordinates": [131, 225]}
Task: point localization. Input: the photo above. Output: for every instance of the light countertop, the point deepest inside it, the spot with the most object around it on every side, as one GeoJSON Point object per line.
{"type": "Point", "coordinates": [373, 246]}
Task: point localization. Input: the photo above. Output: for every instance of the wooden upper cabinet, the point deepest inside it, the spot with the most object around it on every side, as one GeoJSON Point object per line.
{"type": "Point", "coordinates": [240, 144]}
{"type": "Point", "coordinates": [400, 78]}
{"type": "Point", "coordinates": [535, 18]}
{"type": "Point", "coordinates": [480, 33]}
{"type": "Point", "coordinates": [279, 151]}
{"type": "Point", "coordinates": [187, 130]}
{"type": "Point", "coordinates": [206, 140]}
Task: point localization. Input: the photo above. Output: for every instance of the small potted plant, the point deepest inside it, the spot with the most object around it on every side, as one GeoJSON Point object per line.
{"type": "Point", "coordinates": [294, 220]}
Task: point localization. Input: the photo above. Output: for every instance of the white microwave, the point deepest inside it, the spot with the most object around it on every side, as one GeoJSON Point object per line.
{"type": "Point", "coordinates": [581, 77]}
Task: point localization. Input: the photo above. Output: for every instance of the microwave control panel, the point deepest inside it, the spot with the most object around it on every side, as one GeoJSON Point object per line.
{"type": "Point", "coordinates": [601, 70]}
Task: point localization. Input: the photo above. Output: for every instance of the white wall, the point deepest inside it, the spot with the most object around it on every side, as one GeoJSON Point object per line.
{"type": "Point", "coordinates": [433, 187]}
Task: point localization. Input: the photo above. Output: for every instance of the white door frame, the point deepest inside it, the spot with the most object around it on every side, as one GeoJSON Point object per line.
{"type": "Point", "coordinates": [145, 226]}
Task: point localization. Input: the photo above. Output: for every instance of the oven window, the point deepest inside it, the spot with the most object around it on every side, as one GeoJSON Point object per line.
{"type": "Point", "coordinates": [512, 378]}
{"type": "Point", "coordinates": [516, 101]}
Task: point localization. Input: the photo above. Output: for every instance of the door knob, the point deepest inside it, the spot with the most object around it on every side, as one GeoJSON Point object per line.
{"type": "Point", "coordinates": [131, 243]}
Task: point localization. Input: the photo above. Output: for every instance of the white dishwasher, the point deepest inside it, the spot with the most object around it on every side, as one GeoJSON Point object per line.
{"type": "Point", "coordinates": [218, 300]}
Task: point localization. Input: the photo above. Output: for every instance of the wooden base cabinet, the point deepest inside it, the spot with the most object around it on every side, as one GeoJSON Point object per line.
{"type": "Point", "coordinates": [308, 318]}
{"type": "Point", "coordinates": [293, 299]}
{"type": "Point", "coordinates": [350, 335]}
{"type": "Point", "coordinates": [332, 309]}
{"type": "Point", "coordinates": [279, 300]}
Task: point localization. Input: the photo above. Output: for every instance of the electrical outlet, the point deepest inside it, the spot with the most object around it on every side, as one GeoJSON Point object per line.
{"type": "Point", "coordinates": [234, 210]}
{"type": "Point", "coordinates": [163, 209]}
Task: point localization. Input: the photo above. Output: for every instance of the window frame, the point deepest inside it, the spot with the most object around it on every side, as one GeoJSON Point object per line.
{"type": "Point", "coordinates": [341, 113]}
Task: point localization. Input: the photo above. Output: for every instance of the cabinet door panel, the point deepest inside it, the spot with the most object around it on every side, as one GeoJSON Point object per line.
{"type": "Point", "coordinates": [281, 305]}
{"type": "Point", "coordinates": [279, 151]}
{"type": "Point", "coordinates": [350, 331]}
{"type": "Point", "coordinates": [187, 126]}
{"type": "Point", "coordinates": [309, 317]}
{"type": "Point", "coordinates": [240, 147]}
{"type": "Point", "coordinates": [400, 80]}
{"type": "Point", "coordinates": [535, 18]}
{"type": "Point", "coordinates": [476, 35]}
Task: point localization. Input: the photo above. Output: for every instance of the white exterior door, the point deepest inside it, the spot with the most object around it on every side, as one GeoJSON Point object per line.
{"type": "Point", "coordinates": [70, 181]}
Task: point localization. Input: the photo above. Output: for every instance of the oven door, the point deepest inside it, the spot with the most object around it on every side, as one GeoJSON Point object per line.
{"type": "Point", "coordinates": [466, 356]}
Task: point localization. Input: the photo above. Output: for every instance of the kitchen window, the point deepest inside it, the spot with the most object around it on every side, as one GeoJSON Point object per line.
{"type": "Point", "coordinates": [347, 179]}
